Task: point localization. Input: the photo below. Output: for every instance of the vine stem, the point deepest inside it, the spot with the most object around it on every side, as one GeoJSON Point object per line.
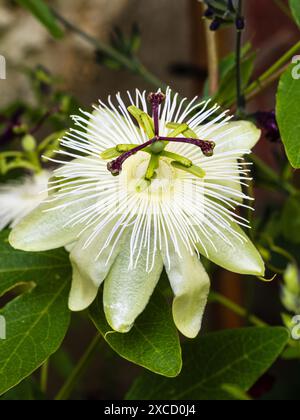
{"type": "Point", "coordinates": [235, 308]}
{"type": "Point", "coordinates": [269, 76]}
{"type": "Point", "coordinates": [79, 370]}
{"type": "Point", "coordinates": [212, 58]}
{"type": "Point", "coordinates": [266, 83]}
{"type": "Point", "coordinates": [44, 376]}
{"type": "Point", "coordinates": [132, 64]}
{"type": "Point", "coordinates": [278, 66]}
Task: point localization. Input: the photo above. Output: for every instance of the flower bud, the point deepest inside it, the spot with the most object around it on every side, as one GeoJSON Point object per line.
{"type": "Point", "coordinates": [291, 279]}
{"type": "Point", "coordinates": [290, 292]}
{"type": "Point", "coordinates": [29, 143]}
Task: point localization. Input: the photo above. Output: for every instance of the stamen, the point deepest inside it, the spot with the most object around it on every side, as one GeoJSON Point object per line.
{"type": "Point", "coordinates": [143, 119]}
{"type": "Point", "coordinates": [110, 153]}
{"type": "Point", "coordinates": [153, 165]}
{"type": "Point", "coordinates": [179, 129]}
{"type": "Point", "coordinates": [194, 170]}
{"type": "Point", "coordinates": [188, 133]}
{"type": "Point", "coordinates": [156, 99]}
{"type": "Point", "coordinates": [177, 158]}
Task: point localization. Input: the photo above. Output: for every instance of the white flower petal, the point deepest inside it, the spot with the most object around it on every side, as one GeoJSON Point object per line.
{"type": "Point", "coordinates": [47, 227]}
{"type": "Point", "coordinates": [83, 292]}
{"type": "Point", "coordinates": [236, 135]}
{"type": "Point", "coordinates": [127, 292]}
{"type": "Point", "coordinates": [91, 266]}
{"type": "Point", "coordinates": [190, 284]}
{"type": "Point", "coordinates": [238, 254]}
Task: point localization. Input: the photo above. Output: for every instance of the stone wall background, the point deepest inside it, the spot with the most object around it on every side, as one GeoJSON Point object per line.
{"type": "Point", "coordinates": [24, 42]}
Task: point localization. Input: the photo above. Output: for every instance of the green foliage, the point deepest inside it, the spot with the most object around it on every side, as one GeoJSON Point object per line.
{"type": "Point", "coordinates": [152, 343]}
{"type": "Point", "coordinates": [287, 113]}
{"type": "Point", "coordinates": [127, 46]}
{"type": "Point", "coordinates": [23, 125]}
{"type": "Point", "coordinates": [235, 358]}
{"type": "Point", "coordinates": [290, 221]}
{"type": "Point", "coordinates": [295, 8]}
{"type": "Point", "coordinates": [37, 320]}
{"type": "Point", "coordinates": [42, 12]}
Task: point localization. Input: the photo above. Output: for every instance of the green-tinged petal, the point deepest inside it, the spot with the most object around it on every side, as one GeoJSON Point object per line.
{"type": "Point", "coordinates": [190, 284]}
{"type": "Point", "coordinates": [239, 256]}
{"type": "Point", "coordinates": [236, 135]}
{"type": "Point", "coordinates": [45, 228]}
{"type": "Point", "coordinates": [90, 268]}
{"type": "Point", "coordinates": [83, 292]}
{"type": "Point", "coordinates": [70, 246]}
{"type": "Point", "coordinates": [127, 292]}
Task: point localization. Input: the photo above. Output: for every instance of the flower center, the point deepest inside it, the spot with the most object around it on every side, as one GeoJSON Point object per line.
{"type": "Point", "coordinates": [133, 175]}
{"type": "Point", "coordinates": [156, 144]}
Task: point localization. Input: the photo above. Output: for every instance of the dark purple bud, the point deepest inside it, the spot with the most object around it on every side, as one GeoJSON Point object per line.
{"type": "Point", "coordinates": [215, 25]}
{"type": "Point", "coordinates": [240, 23]}
{"type": "Point", "coordinates": [268, 124]}
{"type": "Point", "coordinates": [209, 13]}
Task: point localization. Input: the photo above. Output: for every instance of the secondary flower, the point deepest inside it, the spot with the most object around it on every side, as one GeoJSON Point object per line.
{"type": "Point", "coordinates": [19, 198]}
{"type": "Point", "coordinates": [143, 192]}
{"type": "Point", "coordinates": [268, 124]}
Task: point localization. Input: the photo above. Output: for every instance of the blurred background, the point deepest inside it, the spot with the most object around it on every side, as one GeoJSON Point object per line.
{"type": "Point", "coordinates": [173, 47]}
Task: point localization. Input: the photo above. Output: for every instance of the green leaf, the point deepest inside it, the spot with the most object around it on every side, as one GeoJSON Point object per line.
{"type": "Point", "coordinates": [295, 8]}
{"type": "Point", "coordinates": [236, 357]}
{"type": "Point", "coordinates": [153, 342]}
{"type": "Point", "coordinates": [290, 221]}
{"type": "Point", "coordinates": [36, 321]}
{"type": "Point", "coordinates": [287, 114]}
{"type": "Point", "coordinates": [42, 12]}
